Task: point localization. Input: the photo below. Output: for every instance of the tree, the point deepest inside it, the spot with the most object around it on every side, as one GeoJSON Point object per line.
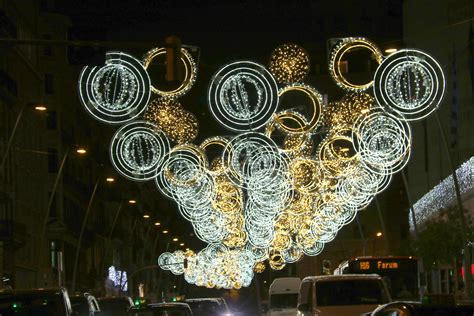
{"type": "Point", "coordinates": [440, 238]}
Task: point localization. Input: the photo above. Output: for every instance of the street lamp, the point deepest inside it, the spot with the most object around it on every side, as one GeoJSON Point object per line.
{"type": "Point", "coordinates": [48, 209]}
{"type": "Point", "coordinates": [37, 107]}
{"type": "Point", "coordinates": [84, 222]}
{"type": "Point", "coordinates": [81, 151]}
{"type": "Point", "coordinates": [157, 223]}
{"type": "Point", "coordinates": [109, 179]}
{"type": "Point", "coordinates": [146, 216]}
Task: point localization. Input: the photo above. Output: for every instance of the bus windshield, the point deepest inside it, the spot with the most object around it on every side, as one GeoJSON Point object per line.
{"type": "Point", "coordinates": [350, 292]}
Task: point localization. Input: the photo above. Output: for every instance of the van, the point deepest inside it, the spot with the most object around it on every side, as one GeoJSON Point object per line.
{"type": "Point", "coordinates": [348, 294]}
{"type": "Point", "coordinates": [283, 296]}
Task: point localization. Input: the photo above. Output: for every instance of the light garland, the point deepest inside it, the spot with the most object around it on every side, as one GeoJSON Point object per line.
{"type": "Point", "coordinates": [443, 195]}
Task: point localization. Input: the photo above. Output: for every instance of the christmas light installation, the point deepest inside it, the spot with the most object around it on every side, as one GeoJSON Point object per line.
{"type": "Point", "coordinates": [345, 46]}
{"type": "Point", "coordinates": [411, 83]}
{"type": "Point", "coordinates": [289, 63]}
{"type": "Point", "coordinates": [443, 195]}
{"type": "Point", "coordinates": [190, 72]}
{"type": "Point", "coordinates": [242, 96]}
{"type": "Point", "coordinates": [289, 180]}
{"type": "Point", "coordinates": [117, 92]}
{"type": "Point", "coordinates": [179, 125]}
{"type": "Point", "coordinates": [138, 149]}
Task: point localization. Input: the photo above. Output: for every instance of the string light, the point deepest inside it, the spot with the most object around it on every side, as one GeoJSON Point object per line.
{"type": "Point", "coordinates": [179, 125]}
{"type": "Point", "coordinates": [289, 63]}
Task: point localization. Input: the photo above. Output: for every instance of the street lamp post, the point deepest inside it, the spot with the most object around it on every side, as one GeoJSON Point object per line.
{"type": "Point", "coordinates": [15, 127]}
{"type": "Point", "coordinates": [79, 242]}
{"type": "Point", "coordinates": [48, 210]}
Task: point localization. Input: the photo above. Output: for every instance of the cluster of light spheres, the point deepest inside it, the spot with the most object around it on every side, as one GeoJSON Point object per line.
{"type": "Point", "coordinates": [289, 180]}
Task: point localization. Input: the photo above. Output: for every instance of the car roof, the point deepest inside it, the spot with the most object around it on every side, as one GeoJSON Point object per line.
{"type": "Point", "coordinates": [333, 277]}
{"type": "Point", "coordinates": [114, 298]}
{"type": "Point", "coordinates": [212, 299]}
{"type": "Point", "coordinates": [170, 304]}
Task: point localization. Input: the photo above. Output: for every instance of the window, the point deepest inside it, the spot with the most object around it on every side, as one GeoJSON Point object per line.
{"type": "Point", "coordinates": [48, 84]}
{"type": "Point", "coordinates": [52, 160]}
{"type": "Point", "coordinates": [47, 49]}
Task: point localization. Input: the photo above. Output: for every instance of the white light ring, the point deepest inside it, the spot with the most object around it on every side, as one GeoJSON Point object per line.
{"type": "Point", "coordinates": [89, 99]}
{"type": "Point", "coordinates": [315, 250]}
{"type": "Point", "coordinates": [190, 68]}
{"type": "Point", "coordinates": [143, 134]}
{"type": "Point", "coordinates": [292, 254]}
{"type": "Point", "coordinates": [429, 64]}
{"type": "Point", "coordinates": [189, 155]}
{"type": "Point", "coordinates": [255, 71]}
{"type": "Point", "coordinates": [194, 214]}
{"type": "Point", "coordinates": [243, 144]}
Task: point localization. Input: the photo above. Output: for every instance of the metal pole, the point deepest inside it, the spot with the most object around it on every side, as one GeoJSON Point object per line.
{"type": "Point", "coordinates": [382, 223]}
{"type": "Point", "coordinates": [46, 216]}
{"type": "Point", "coordinates": [467, 258]}
{"type": "Point", "coordinates": [12, 134]}
{"type": "Point", "coordinates": [415, 229]}
{"type": "Point", "coordinates": [107, 248]}
{"type": "Point", "coordinates": [361, 232]}
{"type": "Point", "coordinates": [76, 260]}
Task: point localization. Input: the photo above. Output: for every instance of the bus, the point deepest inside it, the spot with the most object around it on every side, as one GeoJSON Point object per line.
{"type": "Point", "coordinates": [399, 272]}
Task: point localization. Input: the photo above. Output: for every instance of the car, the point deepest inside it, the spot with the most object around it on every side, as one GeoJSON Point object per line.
{"type": "Point", "coordinates": [409, 308]}
{"type": "Point", "coordinates": [38, 302]}
{"type": "Point", "coordinates": [208, 306]}
{"type": "Point", "coordinates": [115, 305]}
{"type": "Point", "coordinates": [348, 294]}
{"type": "Point", "coordinates": [84, 305]}
{"type": "Point", "coordinates": [161, 309]}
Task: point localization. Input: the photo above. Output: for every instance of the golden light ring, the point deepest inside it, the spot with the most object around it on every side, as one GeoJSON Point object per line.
{"type": "Point", "coordinates": [316, 103]}
{"type": "Point", "coordinates": [190, 72]}
{"type": "Point", "coordinates": [340, 50]}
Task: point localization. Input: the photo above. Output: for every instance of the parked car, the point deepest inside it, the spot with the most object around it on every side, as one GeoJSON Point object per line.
{"type": "Point", "coordinates": [161, 309]}
{"type": "Point", "coordinates": [348, 294]}
{"type": "Point", "coordinates": [115, 305]}
{"type": "Point", "coordinates": [84, 305]}
{"type": "Point", "coordinates": [38, 302]}
{"type": "Point", "coordinates": [208, 306]}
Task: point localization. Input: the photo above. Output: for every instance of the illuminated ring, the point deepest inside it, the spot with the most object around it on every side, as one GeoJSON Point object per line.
{"type": "Point", "coordinates": [305, 174]}
{"type": "Point", "coordinates": [190, 75]}
{"type": "Point", "coordinates": [411, 83]}
{"type": "Point", "coordinates": [316, 102]}
{"type": "Point", "coordinates": [215, 141]}
{"type": "Point", "coordinates": [242, 96]}
{"type": "Point", "coordinates": [138, 149]}
{"type": "Point", "coordinates": [117, 92]}
{"type": "Point", "coordinates": [185, 166]}
{"type": "Point", "coordinates": [289, 63]}
{"type": "Point", "coordinates": [292, 254]}
{"type": "Point", "coordinates": [238, 150]}
{"type": "Point", "coordinates": [341, 48]}
{"type": "Point", "coordinates": [382, 140]}
{"type": "Point", "coordinates": [333, 160]}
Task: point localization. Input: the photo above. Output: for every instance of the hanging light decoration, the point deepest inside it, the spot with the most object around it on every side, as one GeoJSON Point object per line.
{"type": "Point", "coordinates": [277, 193]}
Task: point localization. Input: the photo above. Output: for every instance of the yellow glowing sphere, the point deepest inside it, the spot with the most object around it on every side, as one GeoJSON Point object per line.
{"type": "Point", "coordinates": [259, 267]}
{"type": "Point", "coordinates": [344, 113]}
{"type": "Point", "coordinates": [178, 124]}
{"type": "Point", "coordinates": [289, 63]}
